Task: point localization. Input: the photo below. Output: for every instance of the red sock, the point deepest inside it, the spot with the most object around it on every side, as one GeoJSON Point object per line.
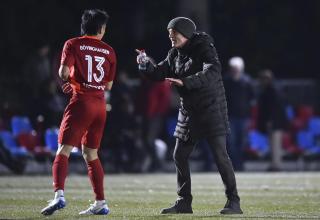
{"type": "Point", "coordinates": [96, 174]}
{"type": "Point", "coordinates": [59, 171]}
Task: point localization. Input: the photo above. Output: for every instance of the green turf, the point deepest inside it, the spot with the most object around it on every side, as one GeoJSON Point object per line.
{"type": "Point", "coordinates": [263, 195]}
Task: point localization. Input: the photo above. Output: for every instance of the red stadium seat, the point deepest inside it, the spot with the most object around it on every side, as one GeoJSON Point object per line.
{"type": "Point", "coordinates": [305, 112]}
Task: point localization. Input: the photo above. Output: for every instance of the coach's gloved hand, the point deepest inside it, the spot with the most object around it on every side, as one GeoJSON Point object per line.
{"type": "Point", "coordinates": [66, 88]}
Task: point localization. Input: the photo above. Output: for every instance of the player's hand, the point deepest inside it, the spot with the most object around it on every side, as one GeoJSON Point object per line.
{"type": "Point", "coordinates": [66, 88]}
{"type": "Point", "coordinates": [142, 57]}
{"type": "Point", "coordinates": [176, 82]}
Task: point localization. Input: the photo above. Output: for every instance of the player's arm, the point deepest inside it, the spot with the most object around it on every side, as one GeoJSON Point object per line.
{"type": "Point", "coordinates": [109, 85]}
{"type": "Point", "coordinates": [112, 74]}
{"type": "Point", "coordinates": [67, 61]}
{"type": "Point", "coordinates": [64, 72]}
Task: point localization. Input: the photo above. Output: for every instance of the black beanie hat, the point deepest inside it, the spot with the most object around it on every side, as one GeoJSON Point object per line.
{"type": "Point", "coordinates": [184, 26]}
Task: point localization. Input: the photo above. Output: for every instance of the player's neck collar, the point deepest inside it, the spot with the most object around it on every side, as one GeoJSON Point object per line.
{"type": "Point", "coordinates": [90, 36]}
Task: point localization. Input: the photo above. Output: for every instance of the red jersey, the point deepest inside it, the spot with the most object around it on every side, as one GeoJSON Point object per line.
{"type": "Point", "coordinates": [92, 64]}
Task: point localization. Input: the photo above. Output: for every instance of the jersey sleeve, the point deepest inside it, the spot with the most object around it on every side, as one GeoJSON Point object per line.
{"type": "Point", "coordinates": [67, 57]}
{"type": "Point", "coordinates": [112, 68]}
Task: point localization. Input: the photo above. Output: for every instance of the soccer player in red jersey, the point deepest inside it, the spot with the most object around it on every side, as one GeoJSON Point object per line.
{"type": "Point", "coordinates": [88, 66]}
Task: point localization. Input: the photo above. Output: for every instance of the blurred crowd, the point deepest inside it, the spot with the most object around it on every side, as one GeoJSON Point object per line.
{"type": "Point", "coordinates": [142, 117]}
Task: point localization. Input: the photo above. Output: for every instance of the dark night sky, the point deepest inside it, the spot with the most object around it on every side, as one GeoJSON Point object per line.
{"type": "Point", "coordinates": [281, 35]}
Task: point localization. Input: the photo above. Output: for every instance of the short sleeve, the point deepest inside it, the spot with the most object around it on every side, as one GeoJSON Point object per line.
{"type": "Point", "coordinates": [113, 68]}
{"type": "Point", "coordinates": [67, 57]}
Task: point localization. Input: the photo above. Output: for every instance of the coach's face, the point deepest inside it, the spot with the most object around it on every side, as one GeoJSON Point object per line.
{"type": "Point", "coordinates": [177, 39]}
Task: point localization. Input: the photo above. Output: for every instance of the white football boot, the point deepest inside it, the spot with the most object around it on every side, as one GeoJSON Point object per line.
{"type": "Point", "coordinates": [54, 205]}
{"type": "Point", "coordinates": [97, 208]}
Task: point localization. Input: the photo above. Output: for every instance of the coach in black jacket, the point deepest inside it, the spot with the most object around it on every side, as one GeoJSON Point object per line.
{"type": "Point", "coordinates": [192, 65]}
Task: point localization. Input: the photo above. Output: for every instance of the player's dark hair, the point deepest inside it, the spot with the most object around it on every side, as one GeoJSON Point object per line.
{"type": "Point", "coordinates": [92, 21]}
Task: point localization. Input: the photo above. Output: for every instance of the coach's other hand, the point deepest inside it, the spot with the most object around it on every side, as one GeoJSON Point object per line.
{"type": "Point", "coordinates": [176, 82]}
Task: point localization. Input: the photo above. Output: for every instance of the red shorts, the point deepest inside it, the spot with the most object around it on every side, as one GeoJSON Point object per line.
{"type": "Point", "coordinates": [83, 122]}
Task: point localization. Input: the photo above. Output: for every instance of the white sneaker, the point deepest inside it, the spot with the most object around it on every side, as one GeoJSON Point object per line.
{"type": "Point", "coordinates": [96, 209]}
{"type": "Point", "coordinates": [54, 205]}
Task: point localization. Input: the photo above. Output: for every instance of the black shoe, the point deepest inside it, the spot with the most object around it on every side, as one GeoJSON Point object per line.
{"type": "Point", "coordinates": [180, 206]}
{"type": "Point", "coordinates": [231, 207]}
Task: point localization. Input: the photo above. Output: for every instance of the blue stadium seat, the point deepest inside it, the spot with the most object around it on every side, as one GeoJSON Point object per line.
{"type": "Point", "coordinates": [10, 143]}
{"type": "Point", "coordinates": [171, 125]}
{"type": "Point", "coordinates": [314, 150]}
{"type": "Point", "coordinates": [305, 140]}
{"type": "Point", "coordinates": [258, 142]}
{"type": "Point", "coordinates": [314, 125]}
{"type": "Point", "coordinates": [290, 112]}
{"type": "Point", "coordinates": [20, 124]}
{"type": "Point", "coordinates": [51, 139]}
{"type": "Point", "coordinates": [309, 140]}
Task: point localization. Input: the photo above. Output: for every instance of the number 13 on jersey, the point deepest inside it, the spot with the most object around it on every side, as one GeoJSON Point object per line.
{"type": "Point", "coordinates": [100, 61]}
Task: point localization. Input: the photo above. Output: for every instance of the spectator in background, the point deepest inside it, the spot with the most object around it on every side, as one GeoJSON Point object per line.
{"type": "Point", "coordinates": [271, 116]}
{"type": "Point", "coordinates": [37, 77]}
{"type": "Point", "coordinates": [157, 108]}
{"type": "Point", "coordinates": [54, 105]}
{"type": "Point", "coordinates": [125, 135]}
{"type": "Point", "coordinates": [38, 68]}
{"type": "Point", "coordinates": [16, 163]}
{"type": "Point", "coordinates": [240, 98]}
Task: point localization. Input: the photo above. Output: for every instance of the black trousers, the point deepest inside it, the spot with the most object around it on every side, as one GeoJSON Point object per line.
{"type": "Point", "coordinates": [181, 155]}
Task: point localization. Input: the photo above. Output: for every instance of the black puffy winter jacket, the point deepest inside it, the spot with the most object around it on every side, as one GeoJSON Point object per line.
{"type": "Point", "coordinates": [203, 110]}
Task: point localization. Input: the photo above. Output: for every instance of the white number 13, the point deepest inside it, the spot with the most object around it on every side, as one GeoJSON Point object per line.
{"type": "Point", "coordinates": [100, 61]}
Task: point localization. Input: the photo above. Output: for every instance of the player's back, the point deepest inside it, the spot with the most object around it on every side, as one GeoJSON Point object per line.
{"type": "Point", "coordinates": [92, 63]}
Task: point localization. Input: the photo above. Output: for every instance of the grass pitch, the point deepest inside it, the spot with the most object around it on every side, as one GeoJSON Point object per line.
{"type": "Point", "coordinates": [263, 195]}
